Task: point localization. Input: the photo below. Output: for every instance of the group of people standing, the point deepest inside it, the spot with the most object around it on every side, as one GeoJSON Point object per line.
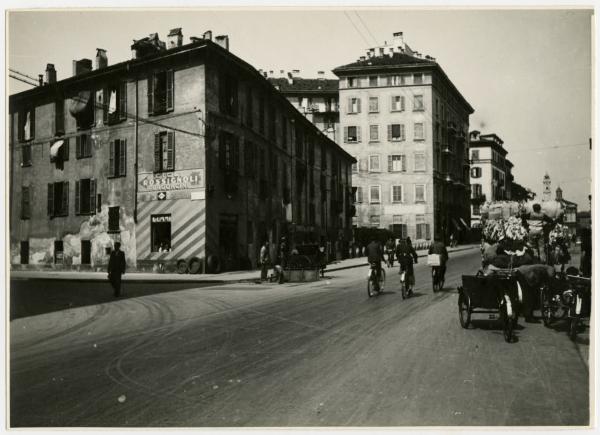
{"type": "Point", "coordinates": [281, 260]}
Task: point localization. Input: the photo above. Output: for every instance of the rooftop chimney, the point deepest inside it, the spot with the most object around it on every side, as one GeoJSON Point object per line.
{"type": "Point", "coordinates": [363, 58]}
{"type": "Point", "coordinates": [271, 73]}
{"type": "Point", "coordinates": [101, 58]}
{"type": "Point", "coordinates": [195, 39]}
{"type": "Point", "coordinates": [398, 39]}
{"type": "Point", "coordinates": [296, 72]}
{"type": "Point", "coordinates": [207, 35]}
{"type": "Point", "coordinates": [81, 66]}
{"type": "Point", "coordinates": [282, 74]}
{"type": "Point", "coordinates": [41, 79]}
{"type": "Point", "coordinates": [290, 78]}
{"type": "Point", "coordinates": [174, 38]}
{"type": "Point", "coordinates": [321, 75]}
{"type": "Point", "coordinates": [223, 41]}
{"type": "Point", "coordinates": [50, 73]}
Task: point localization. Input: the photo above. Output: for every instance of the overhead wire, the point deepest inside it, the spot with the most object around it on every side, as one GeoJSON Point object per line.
{"type": "Point", "coordinates": [366, 27]}
{"type": "Point", "coordinates": [23, 80]}
{"type": "Point", "coordinates": [23, 74]}
{"type": "Point", "coordinates": [356, 28]}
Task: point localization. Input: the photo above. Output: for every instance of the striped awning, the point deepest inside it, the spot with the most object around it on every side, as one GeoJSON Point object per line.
{"type": "Point", "coordinates": [80, 103]}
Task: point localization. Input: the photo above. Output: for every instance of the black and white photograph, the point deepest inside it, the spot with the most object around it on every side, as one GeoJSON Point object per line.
{"type": "Point", "coordinates": [287, 217]}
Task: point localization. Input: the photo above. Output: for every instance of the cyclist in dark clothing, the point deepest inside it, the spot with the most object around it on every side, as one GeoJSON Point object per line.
{"type": "Point", "coordinates": [374, 253]}
{"type": "Point", "coordinates": [439, 248]}
{"type": "Point", "coordinates": [406, 255]}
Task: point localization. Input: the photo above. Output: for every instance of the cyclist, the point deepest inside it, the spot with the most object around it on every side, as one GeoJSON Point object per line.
{"type": "Point", "coordinates": [406, 255]}
{"type": "Point", "coordinates": [438, 247]}
{"type": "Point", "coordinates": [390, 246]}
{"type": "Point", "coordinates": [375, 255]}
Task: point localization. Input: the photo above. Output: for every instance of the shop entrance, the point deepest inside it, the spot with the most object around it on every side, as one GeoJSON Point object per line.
{"type": "Point", "coordinates": [228, 242]}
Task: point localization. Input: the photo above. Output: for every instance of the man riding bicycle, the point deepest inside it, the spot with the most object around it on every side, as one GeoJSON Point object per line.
{"type": "Point", "coordinates": [438, 247]}
{"type": "Point", "coordinates": [406, 255]}
{"type": "Point", "coordinates": [374, 253]}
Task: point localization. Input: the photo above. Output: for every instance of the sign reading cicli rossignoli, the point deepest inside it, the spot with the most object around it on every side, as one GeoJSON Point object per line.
{"type": "Point", "coordinates": [168, 181]}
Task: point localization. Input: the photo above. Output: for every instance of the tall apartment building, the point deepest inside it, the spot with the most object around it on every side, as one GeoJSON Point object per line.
{"type": "Point", "coordinates": [185, 154]}
{"type": "Point", "coordinates": [317, 99]}
{"type": "Point", "coordinates": [407, 125]}
{"type": "Point", "coordinates": [491, 172]}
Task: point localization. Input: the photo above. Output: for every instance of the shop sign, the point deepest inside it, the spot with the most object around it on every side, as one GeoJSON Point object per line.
{"type": "Point", "coordinates": [159, 218]}
{"type": "Point", "coordinates": [170, 181]}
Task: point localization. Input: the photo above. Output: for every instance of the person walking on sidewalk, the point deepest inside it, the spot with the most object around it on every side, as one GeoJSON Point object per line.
{"type": "Point", "coordinates": [116, 268]}
{"type": "Point", "coordinates": [264, 261]}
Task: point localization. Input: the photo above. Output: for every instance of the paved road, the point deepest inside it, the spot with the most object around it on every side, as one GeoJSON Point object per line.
{"type": "Point", "coordinates": [319, 354]}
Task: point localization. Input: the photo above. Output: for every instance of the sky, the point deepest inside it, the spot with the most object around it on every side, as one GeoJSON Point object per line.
{"type": "Point", "coordinates": [527, 73]}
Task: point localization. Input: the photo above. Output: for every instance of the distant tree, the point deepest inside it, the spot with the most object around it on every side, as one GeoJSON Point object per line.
{"type": "Point", "coordinates": [520, 193]}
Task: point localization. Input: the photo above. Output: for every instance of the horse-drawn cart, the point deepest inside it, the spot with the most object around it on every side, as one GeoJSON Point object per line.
{"type": "Point", "coordinates": [497, 293]}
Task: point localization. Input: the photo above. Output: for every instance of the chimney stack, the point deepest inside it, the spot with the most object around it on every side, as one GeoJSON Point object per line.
{"type": "Point", "coordinates": [195, 39]}
{"type": "Point", "coordinates": [81, 66]}
{"type": "Point", "coordinates": [223, 41]}
{"type": "Point", "coordinates": [41, 79]}
{"type": "Point", "coordinates": [174, 38]}
{"type": "Point", "coordinates": [207, 35]}
{"type": "Point", "coordinates": [290, 78]}
{"type": "Point", "coordinates": [282, 74]}
{"type": "Point", "coordinates": [398, 39]}
{"type": "Point", "coordinates": [321, 75]}
{"type": "Point", "coordinates": [50, 73]}
{"type": "Point", "coordinates": [101, 58]}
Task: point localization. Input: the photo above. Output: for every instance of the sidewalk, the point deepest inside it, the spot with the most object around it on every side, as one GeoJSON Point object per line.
{"type": "Point", "coordinates": [220, 278]}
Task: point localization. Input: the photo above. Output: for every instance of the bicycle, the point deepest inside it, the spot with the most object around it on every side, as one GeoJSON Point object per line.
{"type": "Point", "coordinates": [434, 261]}
{"type": "Point", "coordinates": [375, 283]}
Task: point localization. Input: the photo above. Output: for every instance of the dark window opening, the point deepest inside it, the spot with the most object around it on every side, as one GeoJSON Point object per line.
{"type": "Point", "coordinates": [86, 116]}
{"type": "Point", "coordinates": [115, 103]}
{"type": "Point", "coordinates": [160, 233]}
{"type": "Point", "coordinates": [85, 196]}
{"type": "Point", "coordinates": [117, 158]}
{"type": "Point", "coordinates": [25, 252]}
{"type": "Point", "coordinates": [26, 125]}
{"type": "Point", "coordinates": [113, 219]}
{"type": "Point", "coordinates": [26, 155]}
{"type": "Point", "coordinates": [59, 117]}
{"type": "Point", "coordinates": [99, 203]}
{"type": "Point", "coordinates": [58, 199]}
{"type": "Point", "coordinates": [164, 151]}
{"type": "Point", "coordinates": [86, 252]}
{"type": "Point", "coordinates": [83, 146]}
{"type": "Point", "coordinates": [161, 89]}
{"type": "Point", "coordinates": [228, 95]}
{"type": "Point", "coordinates": [58, 252]}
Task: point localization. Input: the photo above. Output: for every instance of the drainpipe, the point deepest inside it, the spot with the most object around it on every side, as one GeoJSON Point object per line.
{"type": "Point", "coordinates": [135, 166]}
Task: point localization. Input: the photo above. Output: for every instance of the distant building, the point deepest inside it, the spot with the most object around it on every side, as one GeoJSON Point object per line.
{"type": "Point", "coordinates": [407, 125]}
{"type": "Point", "coordinates": [570, 208]}
{"type": "Point", "coordinates": [491, 172]}
{"type": "Point", "coordinates": [547, 190]}
{"type": "Point", "coordinates": [185, 154]}
{"type": "Point", "coordinates": [584, 219]}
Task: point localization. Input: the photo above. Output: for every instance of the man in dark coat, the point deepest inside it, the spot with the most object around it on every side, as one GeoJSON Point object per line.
{"type": "Point", "coordinates": [374, 253]}
{"type": "Point", "coordinates": [116, 268]}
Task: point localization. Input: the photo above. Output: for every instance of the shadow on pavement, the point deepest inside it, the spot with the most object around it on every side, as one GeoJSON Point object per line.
{"type": "Point", "coordinates": [33, 297]}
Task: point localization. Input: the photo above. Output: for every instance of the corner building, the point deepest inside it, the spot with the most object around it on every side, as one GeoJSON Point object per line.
{"type": "Point", "coordinates": [407, 126]}
{"type": "Point", "coordinates": [185, 154]}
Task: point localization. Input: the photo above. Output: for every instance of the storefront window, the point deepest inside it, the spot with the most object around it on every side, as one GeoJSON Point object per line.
{"type": "Point", "coordinates": [160, 232]}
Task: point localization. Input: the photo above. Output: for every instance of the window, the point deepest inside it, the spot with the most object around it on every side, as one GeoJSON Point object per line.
{"type": "Point", "coordinates": [374, 194]}
{"type": "Point", "coordinates": [373, 81]}
{"type": "Point", "coordinates": [352, 134]}
{"type": "Point", "coordinates": [397, 163]}
{"type": "Point", "coordinates": [228, 95]}
{"type": "Point", "coordinates": [375, 221]}
{"type": "Point", "coordinates": [26, 155]}
{"type": "Point", "coordinates": [113, 219]}
{"type": "Point", "coordinates": [355, 165]}
{"type": "Point", "coordinates": [86, 252]}
{"type": "Point", "coordinates": [373, 133]}
{"type": "Point", "coordinates": [59, 117]}
{"type": "Point", "coordinates": [164, 151]}
{"type": "Point", "coordinates": [25, 252]}
{"type": "Point", "coordinates": [58, 199]}
{"type": "Point", "coordinates": [423, 231]}
{"type": "Point", "coordinates": [420, 164]}
{"type": "Point", "coordinates": [249, 108]}
{"type": "Point", "coordinates": [419, 131]}
{"type": "Point", "coordinates": [26, 125]}
{"type": "Point", "coordinates": [417, 79]}
{"type": "Point", "coordinates": [25, 202]}
{"type": "Point", "coordinates": [358, 196]}
{"type": "Point", "coordinates": [58, 251]}
{"type": "Point", "coordinates": [397, 103]}
{"type": "Point", "coordinates": [395, 80]}
{"type": "Point", "coordinates": [353, 105]}
{"type": "Point", "coordinates": [397, 194]}
{"type": "Point", "coordinates": [161, 92]}
{"type": "Point", "coordinates": [117, 158]}
{"type": "Point", "coordinates": [160, 233]}
{"type": "Point", "coordinates": [418, 103]}
{"type": "Point", "coordinates": [83, 146]}
{"type": "Point", "coordinates": [399, 228]}
{"type": "Point", "coordinates": [475, 172]}
{"type": "Point", "coordinates": [419, 193]}
{"type": "Point", "coordinates": [373, 104]}
{"type": "Point", "coordinates": [396, 132]}
{"type": "Point", "coordinates": [115, 103]}
{"type": "Point", "coordinates": [85, 196]}
{"type": "Point", "coordinates": [374, 164]}
{"type": "Point", "coordinates": [229, 153]}
{"type": "Point", "coordinates": [352, 82]}
{"type": "Point", "coordinates": [476, 190]}
{"type": "Point", "coordinates": [475, 155]}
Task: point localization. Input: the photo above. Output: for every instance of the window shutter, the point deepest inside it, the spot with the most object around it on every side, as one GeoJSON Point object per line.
{"type": "Point", "coordinates": [105, 104]}
{"type": "Point", "coordinates": [170, 89]}
{"type": "Point", "coordinates": [401, 103]}
{"type": "Point", "coordinates": [403, 158]}
{"type": "Point", "coordinates": [77, 197]}
{"type": "Point", "coordinates": [50, 199]}
{"type": "Point", "coordinates": [402, 136]}
{"type": "Point", "coordinates": [88, 145]}
{"type": "Point", "coordinates": [358, 105]}
{"type": "Point", "coordinates": [427, 232]}
{"type": "Point", "coordinates": [157, 154]}
{"type": "Point", "coordinates": [123, 101]}
{"type": "Point", "coordinates": [349, 107]}
{"type": "Point", "coordinates": [390, 164]}
{"type": "Point", "coordinates": [345, 134]}
{"type": "Point", "coordinates": [111, 159]}
{"type": "Point", "coordinates": [123, 157]}
{"type": "Point", "coordinates": [171, 150]}
{"type": "Point", "coordinates": [392, 104]}
{"type": "Point", "coordinates": [92, 196]}
{"type": "Point", "coordinates": [32, 124]}
{"type": "Point", "coordinates": [78, 147]}
{"type": "Point", "coordinates": [65, 198]}
{"type": "Point", "coordinates": [65, 149]}
{"type": "Point", "coordinates": [389, 132]}
{"type": "Point", "coordinates": [151, 94]}
{"type": "Point", "coordinates": [358, 138]}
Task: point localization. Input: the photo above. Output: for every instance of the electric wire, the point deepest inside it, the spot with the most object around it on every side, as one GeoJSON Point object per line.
{"type": "Point", "coordinates": [23, 80]}
{"type": "Point", "coordinates": [366, 27]}
{"type": "Point", "coordinates": [23, 74]}
{"type": "Point", "coordinates": [356, 28]}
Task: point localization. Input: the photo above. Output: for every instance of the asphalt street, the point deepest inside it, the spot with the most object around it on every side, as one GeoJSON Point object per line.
{"type": "Point", "coordinates": [318, 354]}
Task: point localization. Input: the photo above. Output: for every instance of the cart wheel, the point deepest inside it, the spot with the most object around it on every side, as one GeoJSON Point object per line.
{"type": "Point", "coordinates": [573, 327]}
{"type": "Point", "coordinates": [547, 316]}
{"type": "Point", "coordinates": [507, 325]}
{"type": "Point", "coordinates": [464, 310]}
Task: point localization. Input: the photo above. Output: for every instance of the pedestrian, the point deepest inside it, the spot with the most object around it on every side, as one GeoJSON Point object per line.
{"type": "Point", "coordinates": [265, 260]}
{"type": "Point", "coordinates": [282, 259]}
{"type": "Point", "coordinates": [116, 268]}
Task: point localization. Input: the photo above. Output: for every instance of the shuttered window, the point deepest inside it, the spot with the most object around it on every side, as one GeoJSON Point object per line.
{"type": "Point", "coordinates": [353, 105]}
{"type": "Point", "coordinates": [164, 151]}
{"type": "Point", "coordinates": [397, 194]}
{"type": "Point", "coordinates": [85, 196]}
{"type": "Point", "coordinates": [373, 133]}
{"type": "Point", "coordinates": [117, 160]}
{"type": "Point", "coordinates": [397, 103]}
{"type": "Point", "coordinates": [396, 132]}
{"type": "Point", "coordinates": [420, 163]}
{"type": "Point", "coordinates": [161, 92]}
{"type": "Point", "coordinates": [83, 146]}
{"type": "Point", "coordinates": [26, 155]}
{"type": "Point", "coordinates": [396, 163]}
{"type": "Point", "coordinates": [352, 134]}
{"type": "Point", "coordinates": [58, 199]}
{"type": "Point", "coordinates": [419, 193]}
{"type": "Point", "coordinates": [359, 195]}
